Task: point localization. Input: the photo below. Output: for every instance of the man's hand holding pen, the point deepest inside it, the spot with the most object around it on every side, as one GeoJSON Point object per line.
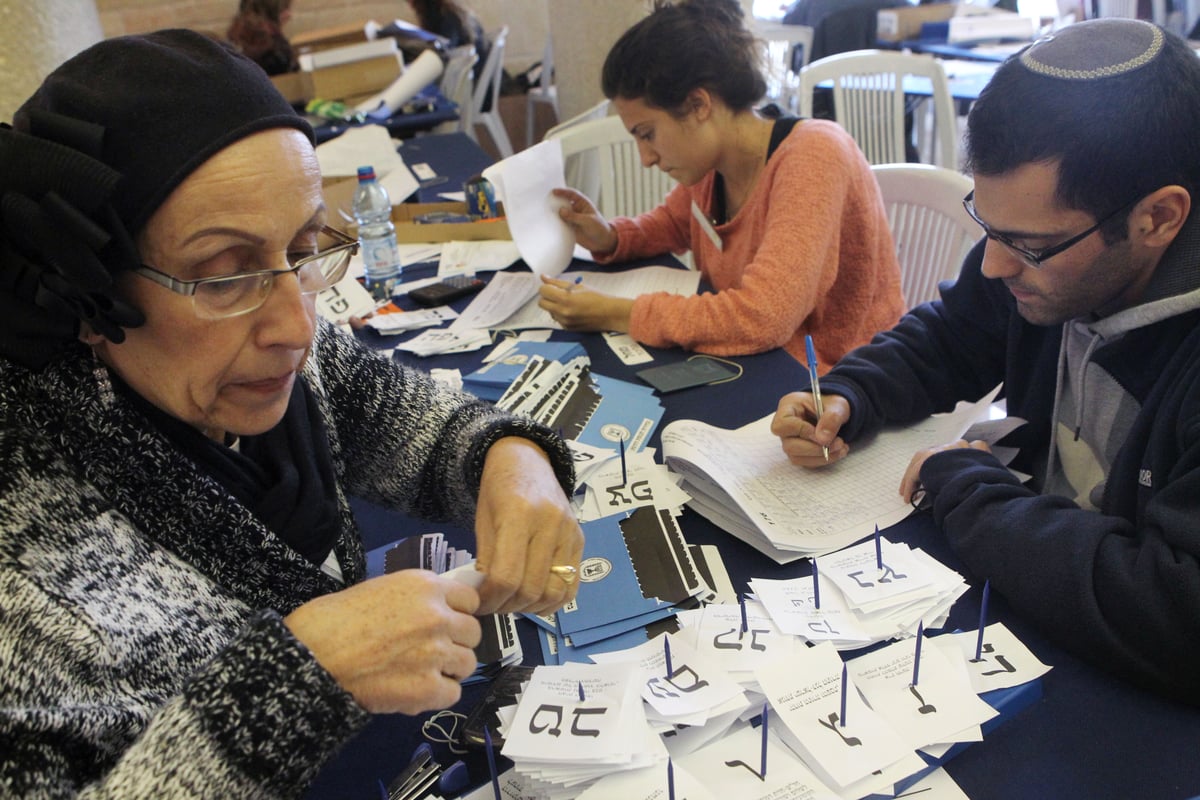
{"type": "Point", "coordinates": [803, 434]}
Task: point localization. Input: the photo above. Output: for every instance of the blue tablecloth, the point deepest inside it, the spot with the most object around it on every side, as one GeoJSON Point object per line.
{"type": "Point", "coordinates": [1088, 736]}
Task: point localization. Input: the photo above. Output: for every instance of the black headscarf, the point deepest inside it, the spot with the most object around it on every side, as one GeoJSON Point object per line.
{"type": "Point", "coordinates": [90, 157]}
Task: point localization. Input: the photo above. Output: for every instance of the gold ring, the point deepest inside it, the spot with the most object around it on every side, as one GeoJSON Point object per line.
{"type": "Point", "coordinates": [566, 573]}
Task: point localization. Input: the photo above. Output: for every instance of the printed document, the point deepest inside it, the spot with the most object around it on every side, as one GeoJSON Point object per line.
{"type": "Point", "coordinates": [742, 481]}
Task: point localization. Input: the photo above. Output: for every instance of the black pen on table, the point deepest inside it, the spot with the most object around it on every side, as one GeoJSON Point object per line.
{"type": "Point", "coordinates": [816, 384]}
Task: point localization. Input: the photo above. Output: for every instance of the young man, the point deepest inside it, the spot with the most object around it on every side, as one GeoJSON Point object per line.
{"type": "Point", "coordinates": [1084, 299]}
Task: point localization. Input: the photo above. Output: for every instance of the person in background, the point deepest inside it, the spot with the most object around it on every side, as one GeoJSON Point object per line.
{"type": "Point", "coordinates": [184, 609]}
{"type": "Point", "coordinates": [1083, 299]}
{"type": "Point", "coordinates": [257, 32]}
{"type": "Point", "coordinates": [455, 23]}
{"type": "Point", "coordinates": [783, 216]}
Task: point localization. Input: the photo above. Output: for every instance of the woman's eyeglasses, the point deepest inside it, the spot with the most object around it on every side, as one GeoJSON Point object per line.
{"type": "Point", "coordinates": [232, 295]}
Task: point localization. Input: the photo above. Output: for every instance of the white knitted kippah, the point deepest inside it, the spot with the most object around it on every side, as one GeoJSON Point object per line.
{"type": "Point", "coordinates": [1098, 48]}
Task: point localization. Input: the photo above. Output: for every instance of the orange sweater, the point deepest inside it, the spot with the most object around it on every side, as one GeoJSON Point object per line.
{"type": "Point", "coordinates": [809, 252]}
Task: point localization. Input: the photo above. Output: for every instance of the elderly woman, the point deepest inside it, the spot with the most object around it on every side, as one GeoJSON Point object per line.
{"type": "Point", "coordinates": [183, 610]}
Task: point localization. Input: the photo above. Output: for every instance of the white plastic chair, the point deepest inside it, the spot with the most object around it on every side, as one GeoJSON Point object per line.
{"type": "Point", "coordinates": [545, 92]}
{"type": "Point", "coordinates": [869, 101]}
{"type": "Point", "coordinates": [626, 187]}
{"type": "Point", "coordinates": [488, 85]}
{"type": "Point", "coordinates": [932, 230]}
{"type": "Point", "coordinates": [581, 170]}
{"type": "Point", "coordinates": [455, 86]}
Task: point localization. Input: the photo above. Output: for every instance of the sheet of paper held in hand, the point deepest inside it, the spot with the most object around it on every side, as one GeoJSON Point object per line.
{"type": "Point", "coordinates": [523, 183]}
{"type": "Point", "coordinates": [509, 300]}
{"type": "Point", "coordinates": [743, 482]}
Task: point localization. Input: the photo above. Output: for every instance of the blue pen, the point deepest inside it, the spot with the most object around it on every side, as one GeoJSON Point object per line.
{"type": "Point", "coordinates": [670, 780]}
{"type": "Point", "coordinates": [581, 695]}
{"type": "Point", "coordinates": [816, 384]}
{"type": "Point", "coordinates": [667, 653]}
{"type": "Point", "coordinates": [742, 603]}
{"type": "Point", "coordinates": [816, 587]}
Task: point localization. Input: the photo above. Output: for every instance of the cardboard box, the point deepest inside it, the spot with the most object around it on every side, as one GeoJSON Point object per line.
{"type": "Point", "coordinates": [899, 24]}
{"type": "Point", "coordinates": [347, 82]}
{"type": "Point", "coordinates": [991, 27]}
{"type": "Point", "coordinates": [296, 87]}
{"type": "Point", "coordinates": [325, 38]}
{"type": "Point", "coordinates": [355, 79]}
{"type": "Point", "coordinates": [407, 230]}
{"type": "Point", "coordinates": [339, 197]}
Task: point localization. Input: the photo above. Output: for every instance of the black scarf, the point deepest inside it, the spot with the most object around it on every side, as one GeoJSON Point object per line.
{"type": "Point", "coordinates": [285, 476]}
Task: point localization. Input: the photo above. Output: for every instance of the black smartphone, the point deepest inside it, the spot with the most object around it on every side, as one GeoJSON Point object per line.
{"type": "Point", "coordinates": [696, 371]}
{"type": "Point", "coordinates": [504, 691]}
{"type": "Point", "coordinates": [446, 291]}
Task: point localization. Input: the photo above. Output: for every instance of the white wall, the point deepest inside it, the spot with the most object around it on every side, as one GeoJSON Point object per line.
{"type": "Point", "coordinates": [35, 37]}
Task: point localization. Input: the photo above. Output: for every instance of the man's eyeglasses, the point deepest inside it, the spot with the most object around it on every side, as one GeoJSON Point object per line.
{"type": "Point", "coordinates": [232, 295]}
{"type": "Point", "coordinates": [1035, 258]}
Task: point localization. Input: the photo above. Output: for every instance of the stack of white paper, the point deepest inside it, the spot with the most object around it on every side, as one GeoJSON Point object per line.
{"type": "Point", "coordinates": [681, 687]}
{"type": "Point", "coordinates": [576, 723]}
{"type": "Point", "coordinates": [742, 481]}
{"type": "Point", "coordinates": [866, 595]}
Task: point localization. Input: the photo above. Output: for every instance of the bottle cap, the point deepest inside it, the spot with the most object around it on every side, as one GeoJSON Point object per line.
{"type": "Point", "coordinates": [366, 174]}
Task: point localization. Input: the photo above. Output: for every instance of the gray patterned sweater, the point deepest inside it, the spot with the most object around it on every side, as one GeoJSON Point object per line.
{"type": "Point", "coordinates": [142, 648]}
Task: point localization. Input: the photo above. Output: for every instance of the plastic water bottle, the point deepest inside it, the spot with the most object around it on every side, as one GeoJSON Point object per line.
{"type": "Point", "coordinates": [376, 234]}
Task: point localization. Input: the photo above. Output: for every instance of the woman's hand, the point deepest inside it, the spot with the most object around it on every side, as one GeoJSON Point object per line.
{"type": "Point", "coordinates": [524, 525]}
{"type": "Point", "coordinates": [398, 643]}
{"type": "Point", "coordinates": [579, 309]}
{"type": "Point", "coordinates": [591, 230]}
{"type": "Point", "coordinates": [802, 435]}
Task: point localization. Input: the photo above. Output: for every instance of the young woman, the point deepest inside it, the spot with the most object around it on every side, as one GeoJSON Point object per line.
{"type": "Point", "coordinates": [782, 215]}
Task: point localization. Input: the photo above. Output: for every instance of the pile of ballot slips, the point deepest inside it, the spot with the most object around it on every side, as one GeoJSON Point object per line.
{"type": "Point", "coordinates": [871, 592]}
{"type": "Point", "coordinates": [731, 707]}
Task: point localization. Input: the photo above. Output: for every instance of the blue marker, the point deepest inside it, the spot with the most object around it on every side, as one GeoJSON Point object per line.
{"type": "Point", "coordinates": [878, 550]}
{"type": "Point", "coordinates": [667, 653]}
{"type": "Point", "coordinates": [742, 603]}
{"type": "Point", "coordinates": [762, 773]}
{"type": "Point", "coordinates": [987, 587]}
{"type": "Point", "coordinates": [816, 587]}
{"type": "Point", "coordinates": [491, 761]}
{"type": "Point", "coordinates": [670, 780]}
{"type": "Point", "coordinates": [624, 479]}
{"type": "Point", "coordinates": [842, 719]}
{"type": "Point", "coordinates": [917, 657]}
{"type": "Point", "coordinates": [816, 384]}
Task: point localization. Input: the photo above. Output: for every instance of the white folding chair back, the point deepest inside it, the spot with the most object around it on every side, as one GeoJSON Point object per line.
{"type": "Point", "coordinates": [544, 91]}
{"type": "Point", "coordinates": [582, 170]}
{"type": "Point", "coordinates": [932, 230]}
{"type": "Point", "coordinates": [488, 85]}
{"type": "Point", "coordinates": [869, 101]}
{"type": "Point", "coordinates": [455, 85]}
{"type": "Point", "coordinates": [626, 187]}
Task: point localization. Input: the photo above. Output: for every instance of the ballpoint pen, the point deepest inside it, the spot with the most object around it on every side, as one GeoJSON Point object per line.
{"type": "Point", "coordinates": [816, 384]}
